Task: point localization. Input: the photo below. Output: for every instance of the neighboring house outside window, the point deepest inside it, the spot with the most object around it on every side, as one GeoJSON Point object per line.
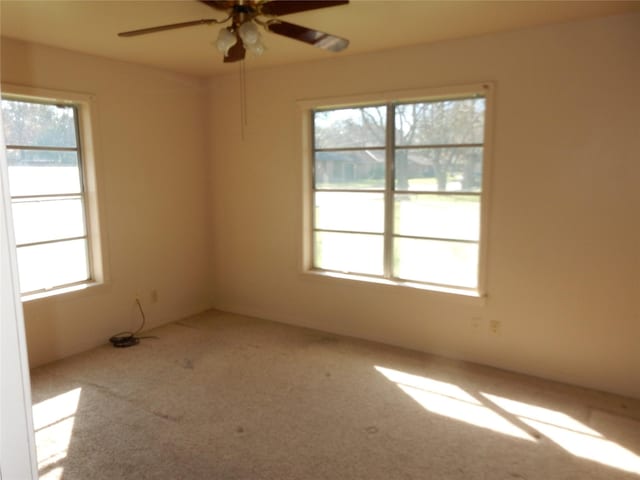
{"type": "Point", "coordinates": [398, 188]}
{"type": "Point", "coordinates": [55, 223]}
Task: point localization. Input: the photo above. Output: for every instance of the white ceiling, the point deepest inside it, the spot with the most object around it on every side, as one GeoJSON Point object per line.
{"type": "Point", "coordinates": [92, 27]}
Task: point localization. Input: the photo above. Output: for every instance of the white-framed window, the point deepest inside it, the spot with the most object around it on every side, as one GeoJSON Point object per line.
{"type": "Point", "coordinates": [53, 190]}
{"type": "Point", "coordinates": [397, 188]}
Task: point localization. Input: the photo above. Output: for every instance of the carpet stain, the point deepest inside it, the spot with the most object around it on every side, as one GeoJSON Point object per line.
{"type": "Point", "coordinates": [106, 391]}
{"type": "Point", "coordinates": [372, 430]}
{"type": "Point", "coordinates": [166, 416]}
{"type": "Point", "coordinates": [110, 393]}
{"type": "Point", "coordinates": [187, 363]}
{"type": "Point", "coordinates": [239, 430]}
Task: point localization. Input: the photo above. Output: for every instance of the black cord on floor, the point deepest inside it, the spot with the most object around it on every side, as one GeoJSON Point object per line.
{"type": "Point", "coordinates": [129, 339]}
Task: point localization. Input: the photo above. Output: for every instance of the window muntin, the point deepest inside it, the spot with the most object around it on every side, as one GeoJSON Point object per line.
{"type": "Point", "coordinates": [46, 185]}
{"type": "Point", "coordinates": [421, 164]}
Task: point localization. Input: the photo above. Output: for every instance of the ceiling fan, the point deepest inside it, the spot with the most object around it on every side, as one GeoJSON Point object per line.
{"type": "Point", "coordinates": [245, 15]}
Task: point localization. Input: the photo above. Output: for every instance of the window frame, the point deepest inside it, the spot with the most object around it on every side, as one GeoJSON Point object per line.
{"type": "Point", "coordinates": [86, 140]}
{"type": "Point", "coordinates": [391, 99]}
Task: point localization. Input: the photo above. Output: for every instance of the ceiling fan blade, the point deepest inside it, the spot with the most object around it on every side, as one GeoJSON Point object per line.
{"type": "Point", "coordinates": [219, 4]}
{"type": "Point", "coordinates": [285, 7]}
{"type": "Point", "coordinates": [236, 53]}
{"type": "Point", "coordinates": [143, 31]}
{"type": "Point", "coordinates": [322, 40]}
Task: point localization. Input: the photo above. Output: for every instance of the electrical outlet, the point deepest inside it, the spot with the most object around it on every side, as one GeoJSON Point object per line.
{"type": "Point", "coordinates": [478, 326]}
{"type": "Point", "coordinates": [495, 326]}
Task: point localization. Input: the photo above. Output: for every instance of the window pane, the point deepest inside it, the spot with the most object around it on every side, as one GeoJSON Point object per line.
{"type": "Point", "coordinates": [441, 122]}
{"type": "Point", "coordinates": [350, 169]}
{"type": "Point", "coordinates": [42, 220]}
{"type": "Point", "coordinates": [350, 127]}
{"type": "Point", "coordinates": [433, 261]}
{"type": "Point", "coordinates": [455, 217]}
{"type": "Point", "coordinates": [349, 253]}
{"type": "Point", "coordinates": [34, 172]}
{"type": "Point", "coordinates": [355, 212]}
{"type": "Point", "coordinates": [452, 169]}
{"type": "Point", "coordinates": [52, 264]}
{"type": "Point", "coordinates": [36, 124]}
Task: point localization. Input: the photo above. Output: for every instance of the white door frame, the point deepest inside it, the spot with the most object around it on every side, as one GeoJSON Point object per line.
{"type": "Point", "coordinates": [17, 439]}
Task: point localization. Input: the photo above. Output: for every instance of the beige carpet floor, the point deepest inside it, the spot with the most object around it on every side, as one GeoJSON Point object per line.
{"type": "Point", "coordinates": [224, 397]}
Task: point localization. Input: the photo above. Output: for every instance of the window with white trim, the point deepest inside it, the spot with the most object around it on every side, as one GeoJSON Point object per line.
{"type": "Point", "coordinates": [397, 190]}
{"type": "Point", "coordinates": [47, 185]}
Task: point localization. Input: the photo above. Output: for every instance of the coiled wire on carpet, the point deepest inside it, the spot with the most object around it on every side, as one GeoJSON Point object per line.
{"type": "Point", "coordinates": [129, 339]}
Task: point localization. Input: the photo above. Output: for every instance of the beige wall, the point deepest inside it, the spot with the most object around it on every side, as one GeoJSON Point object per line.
{"type": "Point", "coordinates": [152, 154]}
{"type": "Point", "coordinates": [563, 263]}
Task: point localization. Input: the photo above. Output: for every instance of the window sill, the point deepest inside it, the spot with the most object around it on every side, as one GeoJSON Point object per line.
{"type": "Point", "coordinates": [471, 296]}
{"type": "Point", "coordinates": [81, 289]}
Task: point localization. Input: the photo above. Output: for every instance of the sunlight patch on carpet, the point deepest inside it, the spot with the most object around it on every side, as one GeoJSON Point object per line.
{"type": "Point", "coordinates": [452, 401]}
{"type": "Point", "coordinates": [570, 434]}
{"type": "Point", "coordinates": [53, 422]}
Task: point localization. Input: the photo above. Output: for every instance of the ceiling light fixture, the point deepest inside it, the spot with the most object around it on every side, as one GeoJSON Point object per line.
{"type": "Point", "coordinates": [226, 40]}
{"type": "Point", "coordinates": [246, 15]}
{"type": "Point", "coordinates": [251, 38]}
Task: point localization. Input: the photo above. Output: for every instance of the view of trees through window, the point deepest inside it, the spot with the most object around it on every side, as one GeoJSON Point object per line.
{"type": "Point", "coordinates": [27, 123]}
{"type": "Point", "coordinates": [397, 190]}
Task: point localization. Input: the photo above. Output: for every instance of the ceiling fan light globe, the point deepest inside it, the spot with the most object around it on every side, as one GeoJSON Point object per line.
{"type": "Point", "coordinates": [226, 40]}
{"type": "Point", "coordinates": [249, 33]}
{"type": "Point", "coordinates": [257, 48]}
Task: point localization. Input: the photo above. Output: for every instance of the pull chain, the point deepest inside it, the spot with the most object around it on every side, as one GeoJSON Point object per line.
{"type": "Point", "coordinates": [243, 99]}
